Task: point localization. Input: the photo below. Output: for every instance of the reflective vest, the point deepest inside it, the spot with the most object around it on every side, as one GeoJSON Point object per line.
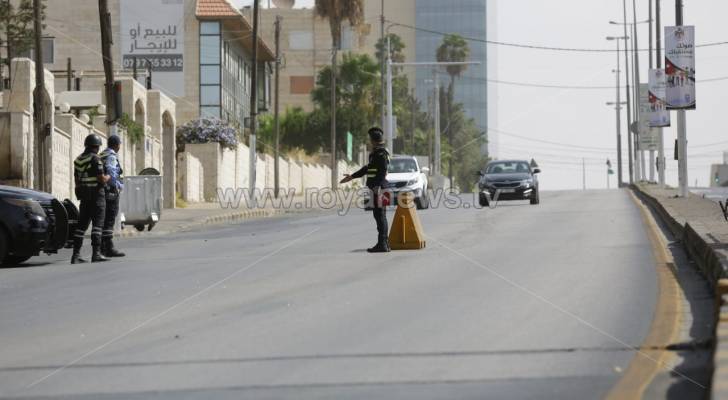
{"type": "Point", "coordinates": [82, 171]}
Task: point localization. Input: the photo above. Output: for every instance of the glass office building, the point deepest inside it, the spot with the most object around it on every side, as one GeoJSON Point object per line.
{"type": "Point", "coordinates": [468, 19]}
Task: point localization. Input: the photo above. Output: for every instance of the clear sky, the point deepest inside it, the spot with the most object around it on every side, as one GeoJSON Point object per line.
{"type": "Point", "coordinates": [567, 125]}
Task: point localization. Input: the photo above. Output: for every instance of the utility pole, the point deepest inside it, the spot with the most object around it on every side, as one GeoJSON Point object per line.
{"type": "Point", "coordinates": [276, 107]}
{"type": "Point", "coordinates": [41, 181]}
{"type": "Point", "coordinates": [414, 125]}
{"type": "Point", "coordinates": [383, 60]}
{"type": "Point", "coordinates": [334, 66]}
{"type": "Point", "coordinates": [682, 141]}
{"type": "Point", "coordinates": [638, 150]}
{"type": "Point", "coordinates": [630, 141]}
{"type": "Point", "coordinates": [583, 173]}
{"type": "Point", "coordinates": [618, 108]}
{"type": "Point", "coordinates": [254, 104]}
{"type": "Point", "coordinates": [390, 112]}
{"type": "Point", "coordinates": [69, 73]}
{"type": "Point", "coordinates": [438, 151]}
{"type": "Point", "coordinates": [652, 152]}
{"type": "Point", "coordinates": [108, 61]}
{"type": "Point", "coordinates": [660, 137]}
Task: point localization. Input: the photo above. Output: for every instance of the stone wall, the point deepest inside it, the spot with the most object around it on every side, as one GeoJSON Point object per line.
{"type": "Point", "coordinates": [223, 168]}
{"type": "Point", "coordinates": [4, 144]}
{"type": "Point", "coordinates": [294, 177]}
{"type": "Point", "coordinates": [62, 186]}
{"type": "Point", "coordinates": [190, 177]}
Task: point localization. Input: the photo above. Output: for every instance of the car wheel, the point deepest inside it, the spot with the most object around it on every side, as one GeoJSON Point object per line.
{"type": "Point", "coordinates": [3, 245]}
{"type": "Point", "coordinates": [422, 202]}
{"type": "Point", "coordinates": [483, 200]}
{"type": "Point", "coordinates": [15, 260]}
{"type": "Point", "coordinates": [536, 198]}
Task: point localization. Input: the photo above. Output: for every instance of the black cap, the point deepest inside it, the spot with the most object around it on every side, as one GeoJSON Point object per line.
{"type": "Point", "coordinates": [92, 140]}
{"type": "Point", "coordinates": [376, 135]}
{"type": "Point", "coordinates": [114, 140]}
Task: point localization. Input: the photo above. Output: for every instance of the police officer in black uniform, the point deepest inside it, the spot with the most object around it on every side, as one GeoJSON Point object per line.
{"type": "Point", "coordinates": [110, 159]}
{"type": "Point", "coordinates": [90, 178]}
{"type": "Point", "coordinates": [376, 173]}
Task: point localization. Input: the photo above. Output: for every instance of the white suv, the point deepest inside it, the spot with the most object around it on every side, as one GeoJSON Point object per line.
{"type": "Point", "coordinates": [405, 175]}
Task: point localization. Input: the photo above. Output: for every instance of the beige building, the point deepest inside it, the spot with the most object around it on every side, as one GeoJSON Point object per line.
{"type": "Point", "coordinates": [199, 51]}
{"type": "Point", "coordinates": [305, 50]}
{"type": "Point", "coordinates": [395, 12]}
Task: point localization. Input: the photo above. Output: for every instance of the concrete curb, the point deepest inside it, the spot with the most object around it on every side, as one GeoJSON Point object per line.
{"type": "Point", "coordinates": [699, 245]}
{"type": "Point", "coordinates": [701, 249]}
{"type": "Point", "coordinates": [220, 219]}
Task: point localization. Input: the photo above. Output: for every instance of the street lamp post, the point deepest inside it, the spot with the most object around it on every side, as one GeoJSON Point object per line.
{"type": "Point", "coordinates": [632, 141]}
{"type": "Point", "coordinates": [682, 141]}
{"type": "Point", "coordinates": [660, 133]}
{"type": "Point", "coordinates": [618, 108]}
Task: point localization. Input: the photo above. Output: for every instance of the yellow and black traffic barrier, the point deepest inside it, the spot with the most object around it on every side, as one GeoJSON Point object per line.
{"type": "Point", "coordinates": [406, 232]}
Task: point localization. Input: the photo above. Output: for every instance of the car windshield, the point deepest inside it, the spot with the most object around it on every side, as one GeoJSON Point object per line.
{"type": "Point", "coordinates": [402, 165]}
{"type": "Point", "coordinates": [508, 167]}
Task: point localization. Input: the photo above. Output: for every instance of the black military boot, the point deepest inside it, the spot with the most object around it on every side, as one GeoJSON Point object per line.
{"type": "Point", "coordinates": [108, 249]}
{"type": "Point", "coordinates": [76, 258]}
{"type": "Point", "coordinates": [96, 255]}
{"type": "Point", "coordinates": [381, 247]}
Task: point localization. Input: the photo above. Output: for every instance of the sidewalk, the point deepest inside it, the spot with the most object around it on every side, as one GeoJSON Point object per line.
{"type": "Point", "coordinates": [203, 214]}
{"type": "Point", "coordinates": [700, 225]}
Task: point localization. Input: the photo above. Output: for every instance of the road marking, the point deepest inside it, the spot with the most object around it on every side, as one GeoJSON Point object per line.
{"type": "Point", "coordinates": [172, 308]}
{"type": "Point", "coordinates": [664, 329]}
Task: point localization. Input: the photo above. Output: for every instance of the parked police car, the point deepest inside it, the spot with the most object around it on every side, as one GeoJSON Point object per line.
{"type": "Point", "coordinates": [31, 222]}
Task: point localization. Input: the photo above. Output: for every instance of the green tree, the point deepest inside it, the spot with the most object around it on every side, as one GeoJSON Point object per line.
{"type": "Point", "coordinates": [454, 48]}
{"type": "Point", "coordinates": [357, 90]}
{"type": "Point", "coordinates": [16, 27]}
{"type": "Point", "coordinates": [337, 11]}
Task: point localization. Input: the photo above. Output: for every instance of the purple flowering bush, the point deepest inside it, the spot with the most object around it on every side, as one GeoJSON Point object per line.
{"type": "Point", "coordinates": [206, 130]}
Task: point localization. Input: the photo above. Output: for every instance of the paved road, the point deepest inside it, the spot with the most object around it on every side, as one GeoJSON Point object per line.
{"type": "Point", "coordinates": [517, 302]}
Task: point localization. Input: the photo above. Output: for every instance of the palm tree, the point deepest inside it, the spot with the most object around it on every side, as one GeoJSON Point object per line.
{"type": "Point", "coordinates": [337, 11]}
{"type": "Point", "coordinates": [453, 49]}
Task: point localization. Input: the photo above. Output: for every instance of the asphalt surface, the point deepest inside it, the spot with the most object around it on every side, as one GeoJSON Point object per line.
{"type": "Point", "coordinates": [519, 301]}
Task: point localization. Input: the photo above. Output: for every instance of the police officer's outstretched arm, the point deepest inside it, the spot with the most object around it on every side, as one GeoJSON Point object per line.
{"type": "Point", "coordinates": [357, 174]}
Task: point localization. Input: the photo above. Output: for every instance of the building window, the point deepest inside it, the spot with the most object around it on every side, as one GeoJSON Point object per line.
{"type": "Point", "coordinates": [302, 84]}
{"type": "Point", "coordinates": [209, 75]}
{"type": "Point", "coordinates": [48, 44]}
{"type": "Point", "coordinates": [348, 38]}
{"type": "Point", "coordinates": [210, 112]}
{"type": "Point", "coordinates": [210, 68]}
{"type": "Point", "coordinates": [210, 49]}
{"type": "Point", "coordinates": [300, 40]}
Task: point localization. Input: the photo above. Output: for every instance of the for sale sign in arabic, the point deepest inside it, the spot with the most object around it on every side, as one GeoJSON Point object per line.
{"type": "Point", "coordinates": [680, 67]}
{"type": "Point", "coordinates": [152, 34]}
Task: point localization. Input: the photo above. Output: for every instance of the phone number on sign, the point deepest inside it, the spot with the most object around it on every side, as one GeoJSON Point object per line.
{"type": "Point", "coordinates": [170, 62]}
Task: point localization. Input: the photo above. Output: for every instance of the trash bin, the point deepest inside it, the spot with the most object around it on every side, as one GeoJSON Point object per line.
{"type": "Point", "coordinates": [141, 201]}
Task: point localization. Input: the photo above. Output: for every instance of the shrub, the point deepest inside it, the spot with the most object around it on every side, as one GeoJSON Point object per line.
{"type": "Point", "coordinates": [206, 130]}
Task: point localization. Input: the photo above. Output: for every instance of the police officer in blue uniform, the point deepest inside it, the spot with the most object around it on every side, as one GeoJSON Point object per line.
{"type": "Point", "coordinates": [114, 186]}
{"type": "Point", "coordinates": [90, 179]}
{"type": "Point", "coordinates": [376, 173]}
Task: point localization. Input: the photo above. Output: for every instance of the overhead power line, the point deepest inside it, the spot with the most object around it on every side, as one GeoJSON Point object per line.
{"type": "Point", "coordinates": [533, 46]}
